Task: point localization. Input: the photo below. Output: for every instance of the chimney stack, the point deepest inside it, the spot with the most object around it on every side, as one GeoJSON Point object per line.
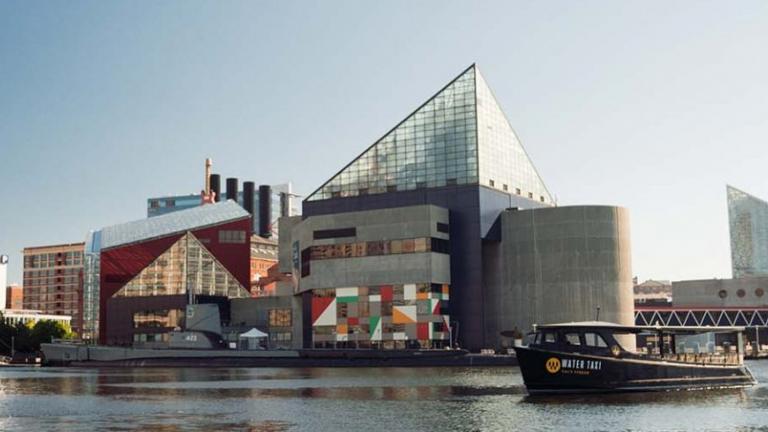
{"type": "Point", "coordinates": [232, 189]}
{"type": "Point", "coordinates": [215, 180]}
{"type": "Point", "coordinates": [265, 211]}
{"type": "Point", "coordinates": [249, 188]}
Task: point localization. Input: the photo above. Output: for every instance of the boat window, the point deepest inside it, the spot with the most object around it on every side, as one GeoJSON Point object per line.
{"type": "Point", "coordinates": [531, 339]}
{"type": "Point", "coordinates": [594, 340]}
{"type": "Point", "coordinates": [549, 337]}
{"type": "Point", "coordinates": [627, 341]}
{"type": "Point", "coordinates": [572, 339]}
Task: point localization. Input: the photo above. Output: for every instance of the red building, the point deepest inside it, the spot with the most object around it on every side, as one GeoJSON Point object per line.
{"type": "Point", "coordinates": [151, 269]}
{"type": "Point", "coordinates": [53, 281]}
{"type": "Point", "coordinates": [263, 261]}
{"type": "Point", "coordinates": [14, 297]}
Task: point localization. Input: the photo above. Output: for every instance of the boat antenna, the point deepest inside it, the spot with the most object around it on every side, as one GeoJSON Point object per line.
{"type": "Point", "coordinates": [597, 315]}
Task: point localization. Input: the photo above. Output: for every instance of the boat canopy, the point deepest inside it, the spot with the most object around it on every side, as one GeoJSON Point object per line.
{"type": "Point", "coordinates": [639, 329]}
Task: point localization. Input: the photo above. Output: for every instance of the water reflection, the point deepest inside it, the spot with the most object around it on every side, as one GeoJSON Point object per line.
{"type": "Point", "coordinates": [370, 399]}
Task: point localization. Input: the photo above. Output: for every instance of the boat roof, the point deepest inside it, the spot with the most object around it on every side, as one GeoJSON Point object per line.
{"type": "Point", "coordinates": [640, 329]}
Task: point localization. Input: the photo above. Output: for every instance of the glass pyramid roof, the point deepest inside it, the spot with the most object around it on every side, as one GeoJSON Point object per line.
{"type": "Point", "coordinates": [171, 223]}
{"type": "Point", "coordinates": [459, 136]}
{"type": "Point", "coordinates": [187, 264]}
{"type": "Point", "coordinates": [748, 223]}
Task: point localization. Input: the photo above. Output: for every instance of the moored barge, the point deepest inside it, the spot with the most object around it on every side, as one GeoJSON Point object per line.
{"type": "Point", "coordinates": [600, 357]}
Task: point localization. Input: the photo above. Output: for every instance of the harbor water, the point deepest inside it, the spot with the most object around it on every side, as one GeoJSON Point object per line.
{"type": "Point", "coordinates": [350, 399]}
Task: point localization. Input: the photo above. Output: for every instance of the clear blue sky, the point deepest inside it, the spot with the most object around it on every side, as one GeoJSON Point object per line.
{"type": "Point", "coordinates": [650, 105]}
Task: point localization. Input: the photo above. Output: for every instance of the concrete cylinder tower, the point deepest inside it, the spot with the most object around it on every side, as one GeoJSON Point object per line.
{"type": "Point", "coordinates": [559, 264]}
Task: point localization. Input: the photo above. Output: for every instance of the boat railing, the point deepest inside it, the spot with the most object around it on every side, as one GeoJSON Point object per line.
{"type": "Point", "coordinates": [730, 358]}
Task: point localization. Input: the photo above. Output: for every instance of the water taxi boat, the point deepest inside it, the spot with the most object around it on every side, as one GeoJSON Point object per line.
{"type": "Point", "coordinates": [598, 357]}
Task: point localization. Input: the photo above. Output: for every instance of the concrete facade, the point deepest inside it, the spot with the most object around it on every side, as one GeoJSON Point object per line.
{"type": "Point", "coordinates": [558, 265]}
{"type": "Point", "coordinates": [742, 292]}
{"type": "Point", "coordinates": [371, 226]}
{"type": "Point", "coordinates": [473, 210]}
{"type": "Point", "coordinates": [387, 271]}
{"type": "Point", "coordinates": [247, 313]}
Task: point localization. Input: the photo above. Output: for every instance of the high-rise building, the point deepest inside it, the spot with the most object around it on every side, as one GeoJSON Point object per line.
{"type": "Point", "coordinates": [443, 230]}
{"type": "Point", "coordinates": [3, 279]}
{"type": "Point", "coordinates": [748, 222]}
{"type": "Point", "coordinates": [53, 281]}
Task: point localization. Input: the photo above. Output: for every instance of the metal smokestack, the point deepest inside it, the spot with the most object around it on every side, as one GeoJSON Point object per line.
{"type": "Point", "coordinates": [232, 189]}
{"type": "Point", "coordinates": [248, 190]}
{"type": "Point", "coordinates": [215, 180]}
{"type": "Point", "coordinates": [265, 211]}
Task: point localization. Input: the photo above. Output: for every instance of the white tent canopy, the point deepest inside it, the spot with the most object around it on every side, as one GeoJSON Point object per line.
{"type": "Point", "coordinates": [254, 333]}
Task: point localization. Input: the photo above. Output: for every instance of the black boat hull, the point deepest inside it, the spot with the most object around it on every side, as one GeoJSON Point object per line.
{"type": "Point", "coordinates": [552, 372]}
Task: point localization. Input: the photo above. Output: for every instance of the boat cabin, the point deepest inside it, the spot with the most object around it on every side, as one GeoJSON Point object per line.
{"type": "Point", "coordinates": [710, 345]}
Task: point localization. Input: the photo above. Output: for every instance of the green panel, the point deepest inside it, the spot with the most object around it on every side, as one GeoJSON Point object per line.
{"type": "Point", "coordinates": [375, 322]}
{"type": "Point", "coordinates": [349, 299]}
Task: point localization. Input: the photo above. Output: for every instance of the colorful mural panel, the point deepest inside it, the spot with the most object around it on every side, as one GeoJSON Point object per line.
{"type": "Point", "coordinates": [383, 316]}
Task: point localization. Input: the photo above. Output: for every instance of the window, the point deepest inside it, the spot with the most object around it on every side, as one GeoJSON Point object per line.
{"type": "Point", "coordinates": [334, 233]}
{"type": "Point", "coordinates": [549, 337]}
{"type": "Point", "coordinates": [594, 340]}
{"type": "Point", "coordinates": [572, 339]}
{"type": "Point", "coordinates": [722, 294]}
{"type": "Point", "coordinates": [491, 183]}
{"type": "Point", "coordinates": [759, 292]}
{"type": "Point", "coordinates": [306, 255]}
{"type": "Point", "coordinates": [530, 195]}
{"type": "Point", "coordinates": [505, 187]}
{"type": "Point", "coordinates": [443, 227]}
{"type": "Point", "coordinates": [440, 246]}
{"type": "Point", "coordinates": [279, 317]}
{"type": "Point", "coordinates": [518, 191]}
{"type": "Point", "coordinates": [740, 293]}
{"type": "Point", "coordinates": [541, 198]}
{"type": "Point", "coordinates": [158, 318]}
{"type": "Point", "coordinates": [233, 237]}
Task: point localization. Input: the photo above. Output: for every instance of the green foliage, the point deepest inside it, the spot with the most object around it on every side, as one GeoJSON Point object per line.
{"type": "Point", "coordinates": [28, 337]}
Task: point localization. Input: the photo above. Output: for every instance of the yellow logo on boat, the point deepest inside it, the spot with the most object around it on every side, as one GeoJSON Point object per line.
{"type": "Point", "coordinates": [553, 365]}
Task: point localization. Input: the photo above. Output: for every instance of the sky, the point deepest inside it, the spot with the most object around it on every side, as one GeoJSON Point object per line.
{"type": "Point", "coordinates": [650, 105]}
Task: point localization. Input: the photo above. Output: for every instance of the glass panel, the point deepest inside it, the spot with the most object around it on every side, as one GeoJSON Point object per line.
{"type": "Point", "coordinates": [504, 162]}
{"type": "Point", "coordinates": [435, 142]}
{"type": "Point", "coordinates": [594, 340]}
{"type": "Point", "coordinates": [187, 263]}
{"type": "Point", "coordinates": [572, 339]}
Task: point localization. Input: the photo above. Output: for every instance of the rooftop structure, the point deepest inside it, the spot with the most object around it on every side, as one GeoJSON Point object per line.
{"type": "Point", "coordinates": [460, 136]}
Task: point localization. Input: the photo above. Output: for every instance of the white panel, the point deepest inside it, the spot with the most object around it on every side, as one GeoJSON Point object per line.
{"type": "Point", "coordinates": [409, 291]}
{"type": "Point", "coordinates": [346, 292]}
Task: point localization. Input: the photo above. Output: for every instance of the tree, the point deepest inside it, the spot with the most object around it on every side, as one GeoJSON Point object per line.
{"type": "Point", "coordinates": [28, 337]}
